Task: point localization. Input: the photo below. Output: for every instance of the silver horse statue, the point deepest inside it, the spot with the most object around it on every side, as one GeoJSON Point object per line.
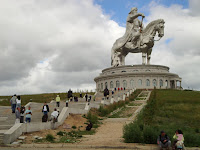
{"type": "Point", "coordinates": [141, 43]}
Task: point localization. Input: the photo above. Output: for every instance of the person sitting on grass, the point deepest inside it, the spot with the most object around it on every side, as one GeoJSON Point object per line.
{"type": "Point", "coordinates": [163, 141]}
{"type": "Point", "coordinates": [178, 140]}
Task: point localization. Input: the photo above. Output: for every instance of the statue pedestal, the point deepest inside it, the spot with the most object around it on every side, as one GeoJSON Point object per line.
{"type": "Point", "coordinates": [137, 76]}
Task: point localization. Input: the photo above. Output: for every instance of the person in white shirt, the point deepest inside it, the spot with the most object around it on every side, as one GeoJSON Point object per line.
{"type": "Point", "coordinates": [18, 101]}
{"type": "Point", "coordinates": [54, 115]}
{"type": "Point", "coordinates": [45, 108]}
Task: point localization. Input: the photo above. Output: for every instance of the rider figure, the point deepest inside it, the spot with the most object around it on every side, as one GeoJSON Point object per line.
{"type": "Point", "coordinates": [133, 27]}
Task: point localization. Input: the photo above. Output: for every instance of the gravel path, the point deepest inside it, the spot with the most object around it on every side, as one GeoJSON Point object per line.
{"type": "Point", "coordinates": [109, 132]}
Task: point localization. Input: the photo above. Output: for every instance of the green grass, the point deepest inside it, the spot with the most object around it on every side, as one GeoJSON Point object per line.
{"type": "Point", "coordinates": [134, 104]}
{"type": "Point", "coordinates": [104, 111]}
{"type": "Point", "coordinates": [122, 113]}
{"type": "Point", "coordinates": [139, 99]}
{"type": "Point", "coordinates": [39, 98]}
{"type": "Point", "coordinates": [167, 110]}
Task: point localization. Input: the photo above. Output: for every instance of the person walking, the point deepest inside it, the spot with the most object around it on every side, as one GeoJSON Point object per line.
{"type": "Point", "coordinates": [67, 103]}
{"type": "Point", "coordinates": [22, 111]}
{"type": "Point", "coordinates": [18, 101]}
{"type": "Point", "coordinates": [81, 95]}
{"type": "Point", "coordinates": [45, 109]}
{"type": "Point", "coordinates": [28, 114]}
{"type": "Point", "coordinates": [17, 114]}
{"type": "Point", "coordinates": [86, 97]}
{"type": "Point", "coordinates": [112, 92]}
{"type": "Point", "coordinates": [13, 103]}
{"type": "Point", "coordinates": [58, 101]}
{"type": "Point", "coordinates": [54, 117]}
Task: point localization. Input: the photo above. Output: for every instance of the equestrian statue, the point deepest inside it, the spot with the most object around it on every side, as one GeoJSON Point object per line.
{"type": "Point", "coordinates": [136, 39]}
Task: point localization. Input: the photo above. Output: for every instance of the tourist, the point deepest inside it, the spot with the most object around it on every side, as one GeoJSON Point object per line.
{"type": "Point", "coordinates": [118, 89]}
{"type": "Point", "coordinates": [163, 141]}
{"type": "Point", "coordinates": [86, 97]}
{"type": "Point", "coordinates": [178, 140]}
{"type": "Point", "coordinates": [28, 114]}
{"type": "Point", "coordinates": [89, 126]}
{"type": "Point", "coordinates": [22, 110]}
{"type": "Point", "coordinates": [13, 103]}
{"type": "Point", "coordinates": [70, 93]}
{"type": "Point", "coordinates": [81, 95]}
{"type": "Point", "coordinates": [75, 99]}
{"type": "Point", "coordinates": [45, 109]}
{"type": "Point", "coordinates": [112, 92]}
{"type": "Point", "coordinates": [67, 103]}
{"type": "Point", "coordinates": [54, 115]}
{"type": "Point", "coordinates": [90, 98]}
{"type": "Point", "coordinates": [121, 88]}
{"type": "Point", "coordinates": [115, 89]}
{"type": "Point", "coordinates": [71, 99]}
{"type": "Point", "coordinates": [17, 114]}
{"type": "Point", "coordinates": [18, 101]}
{"type": "Point", "coordinates": [58, 101]}
{"type": "Point", "coordinates": [107, 96]}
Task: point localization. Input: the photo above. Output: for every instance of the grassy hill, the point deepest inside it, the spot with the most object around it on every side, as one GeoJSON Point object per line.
{"type": "Point", "coordinates": [167, 110]}
{"type": "Point", "coordinates": [40, 98]}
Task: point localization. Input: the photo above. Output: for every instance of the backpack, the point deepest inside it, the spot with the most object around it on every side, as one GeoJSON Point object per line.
{"type": "Point", "coordinates": [44, 118]}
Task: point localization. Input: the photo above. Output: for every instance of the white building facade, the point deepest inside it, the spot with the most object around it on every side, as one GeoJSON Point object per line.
{"type": "Point", "coordinates": [137, 76]}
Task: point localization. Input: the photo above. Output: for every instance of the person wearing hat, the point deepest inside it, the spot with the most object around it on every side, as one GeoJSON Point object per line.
{"type": "Point", "coordinates": [163, 141]}
{"type": "Point", "coordinates": [58, 101]}
{"type": "Point", "coordinates": [133, 30]}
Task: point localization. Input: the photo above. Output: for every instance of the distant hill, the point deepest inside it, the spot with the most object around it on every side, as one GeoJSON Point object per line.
{"type": "Point", "coordinates": [40, 98]}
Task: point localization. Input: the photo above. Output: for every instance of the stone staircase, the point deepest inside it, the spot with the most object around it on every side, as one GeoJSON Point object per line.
{"type": "Point", "coordinates": [7, 120]}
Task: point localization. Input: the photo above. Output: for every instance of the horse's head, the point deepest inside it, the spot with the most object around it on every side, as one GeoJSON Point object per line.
{"type": "Point", "coordinates": [160, 28]}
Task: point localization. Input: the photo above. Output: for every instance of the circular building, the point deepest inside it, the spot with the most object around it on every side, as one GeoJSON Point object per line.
{"type": "Point", "coordinates": [137, 76]}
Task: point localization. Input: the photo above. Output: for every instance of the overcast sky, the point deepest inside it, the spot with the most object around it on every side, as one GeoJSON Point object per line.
{"type": "Point", "coordinates": [54, 45]}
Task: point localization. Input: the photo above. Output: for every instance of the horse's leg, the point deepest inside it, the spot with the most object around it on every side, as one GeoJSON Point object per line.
{"type": "Point", "coordinates": [149, 56]}
{"type": "Point", "coordinates": [143, 58]}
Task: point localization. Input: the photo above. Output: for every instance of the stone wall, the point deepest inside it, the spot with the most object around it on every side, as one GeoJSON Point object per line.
{"type": "Point", "coordinates": [137, 76]}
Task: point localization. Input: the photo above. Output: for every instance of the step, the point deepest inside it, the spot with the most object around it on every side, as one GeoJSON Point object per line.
{"type": "Point", "coordinates": [3, 118]}
{"type": "Point", "coordinates": [2, 127]}
{"type": "Point", "coordinates": [2, 131]}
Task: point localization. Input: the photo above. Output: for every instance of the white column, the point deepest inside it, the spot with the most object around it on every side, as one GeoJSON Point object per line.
{"type": "Point", "coordinates": [127, 94]}
{"type": "Point", "coordinates": [124, 97]}
{"type": "Point", "coordinates": [112, 100]}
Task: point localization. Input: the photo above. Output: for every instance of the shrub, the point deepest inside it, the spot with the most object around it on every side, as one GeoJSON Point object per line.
{"type": "Point", "coordinates": [150, 135]}
{"type": "Point", "coordinates": [103, 111]}
{"type": "Point", "coordinates": [50, 137]}
{"type": "Point", "coordinates": [61, 133]}
{"type": "Point", "coordinates": [92, 118]}
{"type": "Point", "coordinates": [73, 127]}
{"type": "Point", "coordinates": [192, 139]}
{"type": "Point", "coordinates": [132, 133]}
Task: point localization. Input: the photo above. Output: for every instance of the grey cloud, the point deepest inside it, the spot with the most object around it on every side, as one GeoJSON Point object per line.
{"type": "Point", "coordinates": [72, 38]}
{"type": "Point", "coordinates": [194, 7]}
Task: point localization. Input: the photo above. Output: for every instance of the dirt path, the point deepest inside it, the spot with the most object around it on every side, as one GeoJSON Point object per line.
{"type": "Point", "coordinates": [111, 131]}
